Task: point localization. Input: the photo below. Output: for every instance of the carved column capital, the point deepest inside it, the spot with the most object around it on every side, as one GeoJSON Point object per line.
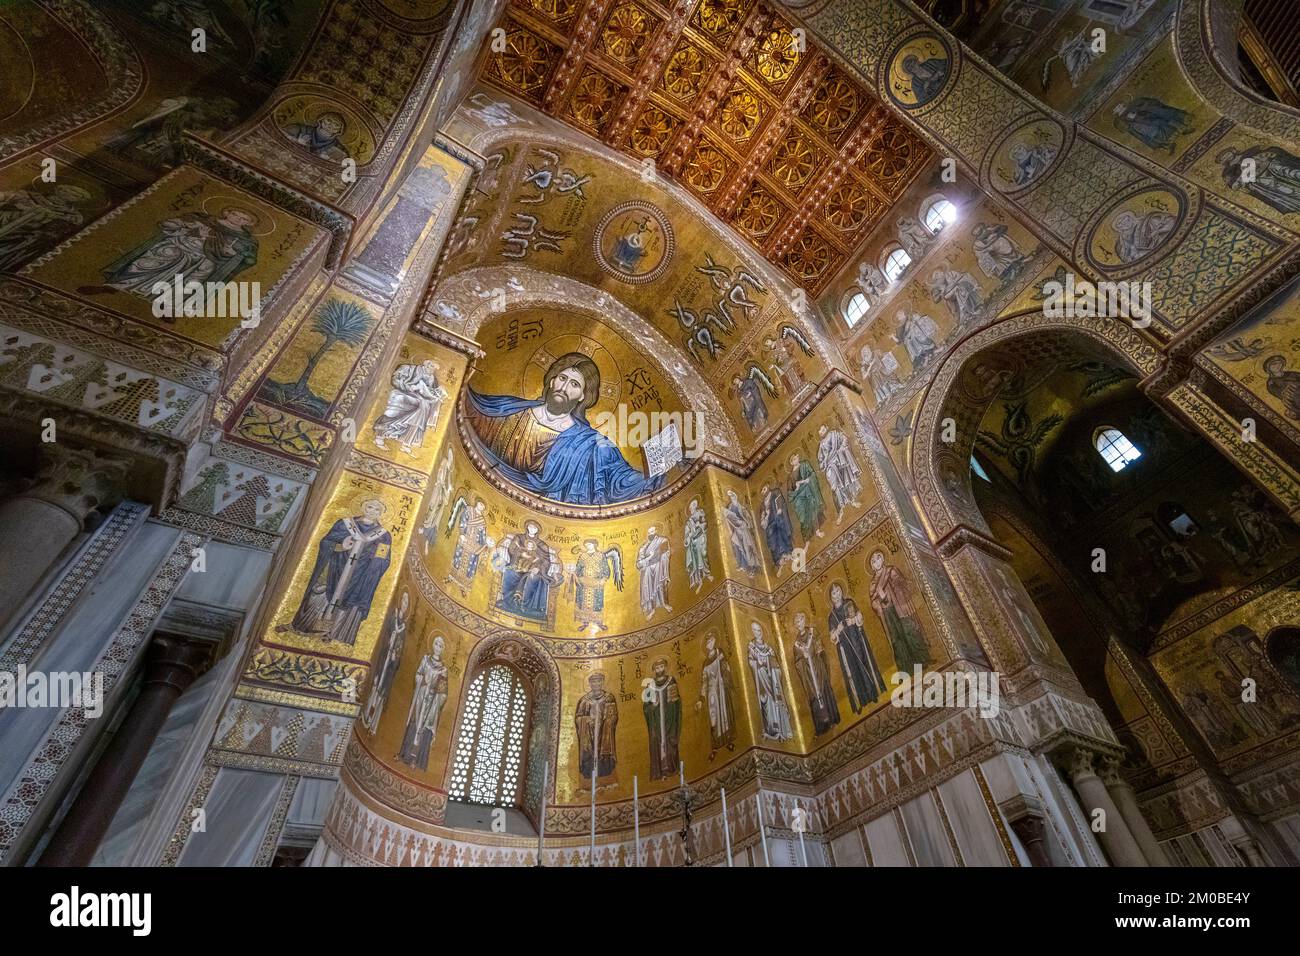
{"type": "Point", "coordinates": [1031, 830]}
{"type": "Point", "coordinates": [1108, 770]}
{"type": "Point", "coordinates": [78, 480]}
{"type": "Point", "coordinates": [176, 661]}
{"type": "Point", "coordinates": [1080, 762]}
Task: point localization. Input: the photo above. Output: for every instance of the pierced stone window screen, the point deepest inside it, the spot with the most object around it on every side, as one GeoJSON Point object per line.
{"type": "Point", "coordinates": [487, 765]}
{"type": "Point", "coordinates": [896, 264]}
{"type": "Point", "coordinates": [1115, 448]}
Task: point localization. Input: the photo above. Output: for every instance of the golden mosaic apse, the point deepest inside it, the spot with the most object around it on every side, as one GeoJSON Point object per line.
{"type": "Point", "coordinates": [799, 159]}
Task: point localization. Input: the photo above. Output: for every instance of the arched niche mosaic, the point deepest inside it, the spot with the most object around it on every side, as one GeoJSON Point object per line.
{"type": "Point", "coordinates": [970, 380]}
{"type": "Point", "coordinates": [472, 302]}
{"type": "Point", "coordinates": [562, 406]}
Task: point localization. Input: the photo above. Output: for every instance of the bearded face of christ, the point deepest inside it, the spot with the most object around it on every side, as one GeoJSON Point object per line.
{"type": "Point", "coordinates": [565, 392]}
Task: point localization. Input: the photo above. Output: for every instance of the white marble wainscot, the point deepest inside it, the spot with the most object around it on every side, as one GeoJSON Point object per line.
{"type": "Point", "coordinates": [105, 633]}
{"type": "Point", "coordinates": [218, 604]}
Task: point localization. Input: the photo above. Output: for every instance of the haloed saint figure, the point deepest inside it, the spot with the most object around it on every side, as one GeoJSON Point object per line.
{"type": "Point", "coordinates": [350, 560]}
{"type": "Point", "coordinates": [546, 445]}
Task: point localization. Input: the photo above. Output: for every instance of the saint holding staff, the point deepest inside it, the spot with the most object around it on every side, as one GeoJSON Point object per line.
{"type": "Point", "coordinates": [716, 694]}
{"type": "Point", "coordinates": [597, 714]}
{"type": "Point", "coordinates": [426, 707]}
{"type": "Point", "coordinates": [350, 561]}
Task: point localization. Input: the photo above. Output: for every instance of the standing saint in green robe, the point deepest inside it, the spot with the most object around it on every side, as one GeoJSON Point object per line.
{"type": "Point", "coordinates": [893, 604]}
{"type": "Point", "coordinates": [661, 701]}
{"type": "Point", "coordinates": [806, 497]}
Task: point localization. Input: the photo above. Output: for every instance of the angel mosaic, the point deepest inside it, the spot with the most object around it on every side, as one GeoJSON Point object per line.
{"type": "Point", "coordinates": [749, 389]}
{"type": "Point", "coordinates": [589, 575]}
{"type": "Point", "coordinates": [472, 541]}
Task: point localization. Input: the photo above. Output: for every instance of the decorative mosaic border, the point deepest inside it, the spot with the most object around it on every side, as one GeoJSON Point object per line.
{"type": "Point", "coordinates": [220, 530]}
{"type": "Point", "coordinates": [43, 769]}
{"type": "Point", "coordinates": [93, 558]}
{"type": "Point", "coordinates": [184, 823]}
{"type": "Point", "coordinates": [271, 839]}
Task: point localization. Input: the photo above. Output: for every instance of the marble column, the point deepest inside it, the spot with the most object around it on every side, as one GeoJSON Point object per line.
{"type": "Point", "coordinates": [1126, 800]}
{"type": "Point", "coordinates": [1032, 831]}
{"type": "Point", "coordinates": [39, 523]}
{"type": "Point", "coordinates": [1116, 838]}
{"type": "Point", "coordinates": [171, 665]}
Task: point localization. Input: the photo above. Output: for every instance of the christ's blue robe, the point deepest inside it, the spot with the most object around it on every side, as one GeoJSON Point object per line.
{"type": "Point", "coordinates": [582, 467]}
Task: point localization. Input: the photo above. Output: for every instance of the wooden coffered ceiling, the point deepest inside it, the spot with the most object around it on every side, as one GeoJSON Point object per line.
{"type": "Point", "coordinates": [780, 143]}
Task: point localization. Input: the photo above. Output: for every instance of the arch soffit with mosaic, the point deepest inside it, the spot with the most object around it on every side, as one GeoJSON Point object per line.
{"type": "Point", "coordinates": [124, 77]}
{"type": "Point", "coordinates": [1076, 192]}
{"type": "Point", "coordinates": [1204, 32]}
{"type": "Point", "coordinates": [522, 287]}
{"type": "Point", "coordinates": [941, 470]}
{"type": "Point", "coordinates": [486, 141]}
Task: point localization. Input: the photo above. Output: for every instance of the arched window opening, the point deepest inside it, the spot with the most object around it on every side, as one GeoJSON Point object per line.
{"type": "Point", "coordinates": [896, 264]}
{"type": "Point", "coordinates": [1282, 645]}
{"type": "Point", "coordinates": [487, 766]}
{"type": "Point", "coordinates": [855, 308]}
{"type": "Point", "coordinates": [938, 213]}
{"type": "Point", "coordinates": [1115, 448]}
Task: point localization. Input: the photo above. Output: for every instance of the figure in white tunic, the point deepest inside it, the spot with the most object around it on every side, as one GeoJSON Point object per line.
{"type": "Point", "coordinates": [766, 667]}
{"type": "Point", "coordinates": [841, 471]}
{"type": "Point", "coordinates": [652, 562]}
{"type": "Point", "coordinates": [413, 404]}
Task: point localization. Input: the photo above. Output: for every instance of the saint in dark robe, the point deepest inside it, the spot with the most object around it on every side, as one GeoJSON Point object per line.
{"type": "Point", "coordinates": [194, 245]}
{"type": "Point", "coordinates": [1155, 123]}
{"type": "Point", "coordinates": [752, 405]}
{"type": "Point", "coordinates": [815, 676]}
{"type": "Point", "coordinates": [350, 561]}
{"type": "Point", "coordinates": [740, 528]}
{"type": "Point", "coordinates": [528, 572]}
{"type": "Point", "coordinates": [893, 604]}
{"type": "Point", "coordinates": [1275, 179]}
{"type": "Point", "coordinates": [546, 445]}
{"type": "Point", "coordinates": [597, 704]}
{"type": "Point", "coordinates": [928, 76]}
{"type": "Point", "coordinates": [777, 530]}
{"type": "Point", "coordinates": [862, 677]}
{"type": "Point", "coordinates": [388, 660]}
{"type": "Point", "coordinates": [1283, 384]}
{"type": "Point", "coordinates": [662, 704]}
